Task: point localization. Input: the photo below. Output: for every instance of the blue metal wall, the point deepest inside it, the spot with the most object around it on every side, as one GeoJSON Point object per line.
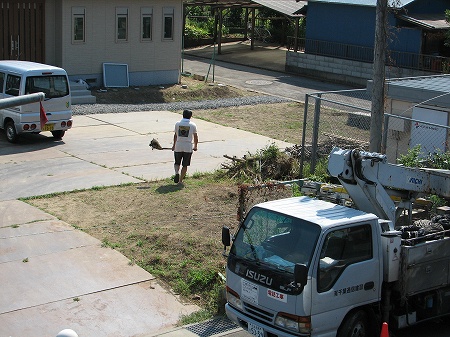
{"type": "Point", "coordinates": [355, 25]}
{"type": "Point", "coordinates": [341, 23]}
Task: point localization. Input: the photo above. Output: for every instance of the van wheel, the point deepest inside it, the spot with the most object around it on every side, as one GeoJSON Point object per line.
{"type": "Point", "coordinates": [355, 325]}
{"type": "Point", "coordinates": [58, 134]}
{"type": "Point", "coordinates": [11, 133]}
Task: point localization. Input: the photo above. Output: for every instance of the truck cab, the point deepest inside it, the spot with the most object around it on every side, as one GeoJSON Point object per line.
{"type": "Point", "coordinates": [338, 247]}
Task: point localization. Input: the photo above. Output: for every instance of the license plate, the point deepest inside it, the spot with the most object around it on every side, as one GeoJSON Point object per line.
{"type": "Point", "coordinates": [48, 127]}
{"type": "Point", "coordinates": [255, 330]}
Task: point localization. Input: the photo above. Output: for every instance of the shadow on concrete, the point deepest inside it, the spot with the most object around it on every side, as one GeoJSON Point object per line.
{"type": "Point", "coordinates": [28, 143]}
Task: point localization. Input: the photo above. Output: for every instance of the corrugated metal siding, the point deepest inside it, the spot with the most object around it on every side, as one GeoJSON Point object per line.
{"type": "Point", "coordinates": [420, 89]}
{"type": "Point", "coordinates": [287, 7]}
{"type": "Point", "coordinates": [354, 25]}
{"type": "Point", "coordinates": [371, 3]}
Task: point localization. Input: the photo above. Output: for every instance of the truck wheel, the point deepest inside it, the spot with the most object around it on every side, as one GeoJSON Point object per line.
{"type": "Point", "coordinates": [11, 133]}
{"type": "Point", "coordinates": [58, 134]}
{"type": "Point", "coordinates": [355, 325]}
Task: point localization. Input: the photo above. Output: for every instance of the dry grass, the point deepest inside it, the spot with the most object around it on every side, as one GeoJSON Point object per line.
{"type": "Point", "coordinates": [172, 232]}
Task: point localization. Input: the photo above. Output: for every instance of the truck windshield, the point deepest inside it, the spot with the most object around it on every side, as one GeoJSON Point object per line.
{"type": "Point", "coordinates": [53, 86]}
{"type": "Point", "coordinates": [275, 239]}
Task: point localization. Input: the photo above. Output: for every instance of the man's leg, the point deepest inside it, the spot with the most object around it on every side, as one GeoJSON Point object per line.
{"type": "Point", "coordinates": [183, 173]}
{"type": "Point", "coordinates": [186, 162]}
{"type": "Point", "coordinates": [176, 166]}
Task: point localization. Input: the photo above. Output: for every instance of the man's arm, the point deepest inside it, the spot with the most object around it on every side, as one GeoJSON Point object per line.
{"type": "Point", "coordinates": [195, 141]}
{"type": "Point", "coordinates": [174, 141]}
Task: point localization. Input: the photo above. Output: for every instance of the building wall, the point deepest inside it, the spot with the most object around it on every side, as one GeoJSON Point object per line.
{"type": "Point", "coordinates": [398, 135]}
{"type": "Point", "coordinates": [149, 62]}
{"type": "Point", "coordinates": [355, 25]}
{"type": "Point", "coordinates": [340, 70]}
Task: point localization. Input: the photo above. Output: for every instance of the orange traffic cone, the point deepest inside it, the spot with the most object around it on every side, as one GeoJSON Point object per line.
{"type": "Point", "coordinates": [384, 330]}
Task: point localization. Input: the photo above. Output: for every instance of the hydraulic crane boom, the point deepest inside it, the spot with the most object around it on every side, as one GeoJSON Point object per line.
{"type": "Point", "coordinates": [384, 189]}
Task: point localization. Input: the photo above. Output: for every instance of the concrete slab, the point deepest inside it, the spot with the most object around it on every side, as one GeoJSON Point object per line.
{"type": "Point", "coordinates": [65, 274]}
{"type": "Point", "coordinates": [40, 238]}
{"type": "Point", "coordinates": [132, 310]}
{"type": "Point", "coordinates": [15, 212]}
{"type": "Point", "coordinates": [55, 277]}
{"type": "Point", "coordinates": [55, 175]}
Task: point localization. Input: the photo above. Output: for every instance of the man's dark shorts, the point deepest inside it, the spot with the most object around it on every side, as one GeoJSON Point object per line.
{"type": "Point", "coordinates": [183, 156]}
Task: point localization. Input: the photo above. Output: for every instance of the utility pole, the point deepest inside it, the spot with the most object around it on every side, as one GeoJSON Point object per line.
{"type": "Point", "coordinates": [379, 60]}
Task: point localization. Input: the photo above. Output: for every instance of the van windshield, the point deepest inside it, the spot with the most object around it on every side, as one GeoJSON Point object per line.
{"type": "Point", "coordinates": [275, 240]}
{"type": "Point", "coordinates": [53, 86]}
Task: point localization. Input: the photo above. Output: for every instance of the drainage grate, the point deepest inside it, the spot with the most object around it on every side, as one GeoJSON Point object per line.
{"type": "Point", "coordinates": [212, 327]}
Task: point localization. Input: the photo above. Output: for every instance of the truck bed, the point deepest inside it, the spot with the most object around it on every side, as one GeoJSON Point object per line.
{"type": "Point", "coordinates": [424, 266]}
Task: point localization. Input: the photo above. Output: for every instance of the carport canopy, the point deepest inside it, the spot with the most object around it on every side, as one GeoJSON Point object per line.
{"type": "Point", "coordinates": [289, 8]}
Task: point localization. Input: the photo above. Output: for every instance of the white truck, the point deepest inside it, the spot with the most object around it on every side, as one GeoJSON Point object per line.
{"type": "Point", "coordinates": [306, 267]}
{"type": "Point", "coordinates": [23, 78]}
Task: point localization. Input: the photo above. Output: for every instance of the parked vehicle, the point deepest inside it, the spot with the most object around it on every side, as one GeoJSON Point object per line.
{"type": "Point", "coordinates": [307, 267]}
{"type": "Point", "coordinates": [19, 78]}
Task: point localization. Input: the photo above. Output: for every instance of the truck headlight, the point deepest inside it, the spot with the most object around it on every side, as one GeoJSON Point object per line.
{"type": "Point", "coordinates": [294, 323]}
{"type": "Point", "coordinates": [233, 298]}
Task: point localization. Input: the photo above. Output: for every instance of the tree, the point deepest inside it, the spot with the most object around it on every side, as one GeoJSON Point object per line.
{"type": "Point", "coordinates": [447, 34]}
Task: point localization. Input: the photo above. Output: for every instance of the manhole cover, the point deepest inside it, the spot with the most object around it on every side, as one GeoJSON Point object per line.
{"type": "Point", "coordinates": [258, 82]}
{"type": "Point", "coordinates": [212, 327]}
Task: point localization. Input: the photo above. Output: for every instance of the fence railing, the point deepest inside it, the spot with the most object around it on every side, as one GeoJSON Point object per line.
{"type": "Point", "coordinates": [342, 118]}
{"type": "Point", "coordinates": [438, 64]}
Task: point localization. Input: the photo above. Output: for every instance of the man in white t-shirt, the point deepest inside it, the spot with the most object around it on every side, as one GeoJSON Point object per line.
{"type": "Point", "coordinates": [185, 134]}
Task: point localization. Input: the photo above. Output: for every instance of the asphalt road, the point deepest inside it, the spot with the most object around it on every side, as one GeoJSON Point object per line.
{"type": "Point", "coordinates": [261, 80]}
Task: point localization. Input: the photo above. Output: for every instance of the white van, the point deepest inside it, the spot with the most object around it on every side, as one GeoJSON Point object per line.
{"type": "Point", "coordinates": [21, 78]}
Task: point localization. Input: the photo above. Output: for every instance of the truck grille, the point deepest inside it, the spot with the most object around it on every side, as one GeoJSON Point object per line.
{"type": "Point", "coordinates": [257, 312]}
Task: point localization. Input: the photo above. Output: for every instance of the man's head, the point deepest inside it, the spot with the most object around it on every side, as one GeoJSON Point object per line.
{"type": "Point", "coordinates": [187, 114]}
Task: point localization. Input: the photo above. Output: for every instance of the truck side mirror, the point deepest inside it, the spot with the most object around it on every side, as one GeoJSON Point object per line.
{"type": "Point", "coordinates": [226, 241]}
{"type": "Point", "coordinates": [300, 274]}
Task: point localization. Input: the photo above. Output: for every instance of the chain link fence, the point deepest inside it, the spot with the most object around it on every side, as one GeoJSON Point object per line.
{"type": "Point", "coordinates": [334, 118]}
{"type": "Point", "coordinates": [403, 133]}
{"type": "Point", "coordinates": [342, 118]}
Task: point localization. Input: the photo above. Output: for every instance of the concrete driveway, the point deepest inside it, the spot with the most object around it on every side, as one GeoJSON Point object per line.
{"type": "Point", "coordinates": [54, 276]}
{"type": "Point", "coordinates": [112, 149]}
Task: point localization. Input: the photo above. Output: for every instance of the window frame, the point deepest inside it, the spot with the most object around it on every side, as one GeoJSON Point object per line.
{"type": "Point", "coordinates": [78, 13]}
{"type": "Point", "coordinates": [168, 13]}
{"type": "Point", "coordinates": [339, 264]}
{"type": "Point", "coordinates": [2, 82]}
{"type": "Point", "coordinates": [147, 13]}
{"type": "Point", "coordinates": [18, 80]}
{"type": "Point", "coordinates": [121, 13]}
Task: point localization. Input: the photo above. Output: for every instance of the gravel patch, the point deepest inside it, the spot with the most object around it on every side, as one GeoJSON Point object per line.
{"type": "Point", "coordinates": [89, 109]}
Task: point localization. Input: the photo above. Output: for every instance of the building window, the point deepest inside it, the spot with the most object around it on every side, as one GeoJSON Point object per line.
{"type": "Point", "coordinates": [168, 23]}
{"type": "Point", "coordinates": [78, 25]}
{"type": "Point", "coordinates": [146, 23]}
{"type": "Point", "coordinates": [122, 24]}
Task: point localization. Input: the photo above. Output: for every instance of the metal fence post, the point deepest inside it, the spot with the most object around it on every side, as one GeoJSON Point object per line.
{"type": "Point", "coordinates": [315, 138]}
{"type": "Point", "coordinates": [305, 115]}
{"type": "Point", "coordinates": [385, 134]}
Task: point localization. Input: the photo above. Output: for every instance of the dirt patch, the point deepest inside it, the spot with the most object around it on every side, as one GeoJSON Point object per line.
{"type": "Point", "coordinates": [189, 89]}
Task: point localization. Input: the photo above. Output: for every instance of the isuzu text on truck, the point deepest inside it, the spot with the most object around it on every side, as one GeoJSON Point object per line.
{"type": "Point", "coordinates": [306, 267]}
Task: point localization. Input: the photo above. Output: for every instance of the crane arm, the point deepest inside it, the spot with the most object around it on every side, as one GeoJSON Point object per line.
{"type": "Point", "coordinates": [384, 189]}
